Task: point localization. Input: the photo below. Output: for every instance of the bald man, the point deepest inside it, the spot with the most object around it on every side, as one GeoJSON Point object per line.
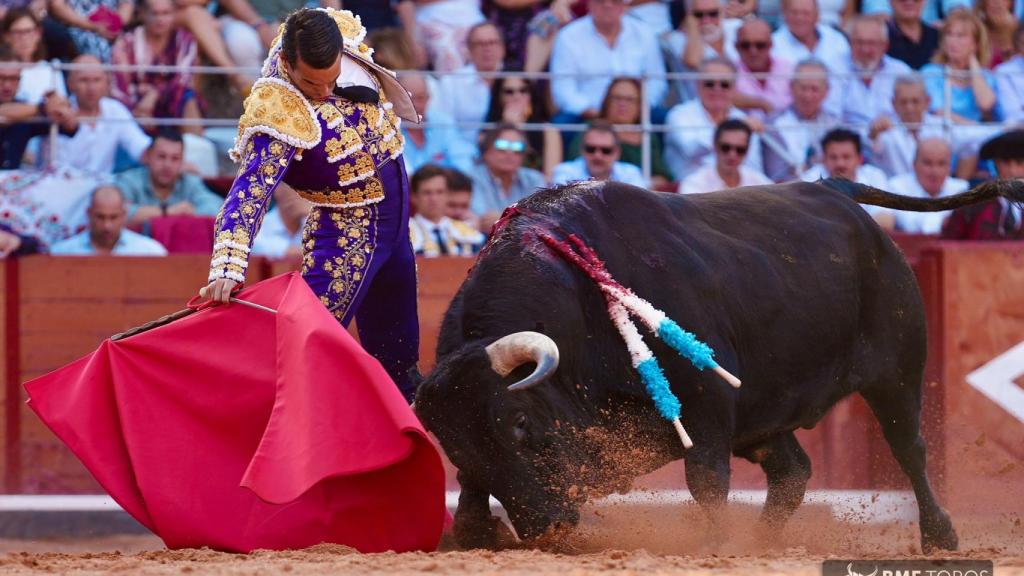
{"type": "Point", "coordinates": [930, 179]}
{"type": "Point", "coordinates": [103, 123]}
{"type": "Point", "coordinates": [107, 235]}
{"type": "Point", "coordinates": [759, 95]}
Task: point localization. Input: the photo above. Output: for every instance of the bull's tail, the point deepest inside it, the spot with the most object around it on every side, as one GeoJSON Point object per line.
{"type": "Point", "coordinates": [1012, 190]}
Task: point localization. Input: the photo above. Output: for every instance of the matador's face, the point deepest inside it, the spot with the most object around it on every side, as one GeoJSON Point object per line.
{"type": "Point", "coordinates": [314, 83]}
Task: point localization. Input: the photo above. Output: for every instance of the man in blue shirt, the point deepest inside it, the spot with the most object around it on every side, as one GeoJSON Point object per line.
{"type": "Point", "coordinates": [106, 234]}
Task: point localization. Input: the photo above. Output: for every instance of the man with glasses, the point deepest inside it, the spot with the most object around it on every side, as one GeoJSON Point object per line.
{"type": "Point", "coordinates": [862, 93]}
{"type": "Point", "coordinates": [802, 36]}
{"type": "Point", "coordinates": [465, 95]}
{"type": "Point", "coordinates": [501, 179]}
{"type": "Point", "coordinates": [592, 50]}
{"type": "Point", "coordinates": [732, 144]}
{"type": "Point", "coordinates": [799, 129]}
{"type": "Point", "coordinates": [756, 93]}
{"type": "Point", "coordinates": [911, 39]}
{"type": "Point", "coordinates": [704, 33]}
{"type": "Point", "coordinates": [599, 160]}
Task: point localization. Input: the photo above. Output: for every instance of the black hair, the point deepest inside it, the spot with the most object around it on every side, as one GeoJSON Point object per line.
{"type": "Point", "coordinates": [313, 36]}
{"type": "Point", "coordinates": [602, 127]}
{"type": "Point", "coordinates": [426, 172]}
{"type": "Point", "coordinates": [168, 133]}
{"type": "Point", "coordinates": [732, 125]}
{"type": "Point", "coordinates": [459, 182]}
{"type": "Point", "coordinates": [841, 135]}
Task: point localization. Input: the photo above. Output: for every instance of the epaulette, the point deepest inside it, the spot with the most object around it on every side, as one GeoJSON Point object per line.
{"type": "Point", "coordinates": [278, 109]}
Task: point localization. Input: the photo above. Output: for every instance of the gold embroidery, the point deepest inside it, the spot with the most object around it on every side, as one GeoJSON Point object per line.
{"type": "Point", "coordinates": [273, 107]}
{"type": "Point", "coordinates": [330, 113]}
{"type": "Point", "coordinates": [347, 269]}
{"type": "Point", "coordinates": [350, 173]}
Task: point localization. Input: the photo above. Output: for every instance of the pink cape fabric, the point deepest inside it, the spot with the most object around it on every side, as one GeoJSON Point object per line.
{"type": "Point", "coordinates": [239, 429]}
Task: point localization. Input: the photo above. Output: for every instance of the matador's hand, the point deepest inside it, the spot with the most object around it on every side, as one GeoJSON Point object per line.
{"type": "Point", "coordinates": [219, 290]}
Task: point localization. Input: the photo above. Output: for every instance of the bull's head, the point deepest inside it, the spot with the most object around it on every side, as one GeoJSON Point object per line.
{"type": "Point", "coordinates": [504, 441]}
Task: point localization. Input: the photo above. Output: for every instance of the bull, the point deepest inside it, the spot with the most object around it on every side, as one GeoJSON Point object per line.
{"type": "Point", "coordinates": [794, 286]}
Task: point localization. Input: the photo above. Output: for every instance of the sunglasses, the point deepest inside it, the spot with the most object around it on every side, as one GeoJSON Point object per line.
{"type": "Point", "coordinates": [513, 91]}
{"type": "Point", "coordinates": [510, 145]}
{"type": "Point", "coordinates": [747, 45]}
{"type": "Point", "coordinates": [729, 148]}
{"type": "Point", "coordinates": [605, 150]}
{"type": "Point", "coordinates": [698, 14]}
{"type": "Point", "coordinates": [712, 84]}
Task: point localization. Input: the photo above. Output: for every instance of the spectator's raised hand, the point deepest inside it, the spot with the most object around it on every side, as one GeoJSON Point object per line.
{"type": "Point", "coordinates": [9, 243]}
{"type": "Point", "coordinates": [879, 125]}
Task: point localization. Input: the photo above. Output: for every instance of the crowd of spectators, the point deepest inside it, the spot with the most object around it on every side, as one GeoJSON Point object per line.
{"type": "Point", "coordinates": [898, 94]}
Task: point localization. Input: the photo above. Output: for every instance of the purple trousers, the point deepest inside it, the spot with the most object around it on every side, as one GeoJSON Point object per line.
{"type": "Point", "coordinates": [361, 265]}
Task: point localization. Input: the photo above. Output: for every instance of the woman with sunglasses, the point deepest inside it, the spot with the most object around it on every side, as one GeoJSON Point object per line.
{"type": "Point", "coordinates": [517, 100]}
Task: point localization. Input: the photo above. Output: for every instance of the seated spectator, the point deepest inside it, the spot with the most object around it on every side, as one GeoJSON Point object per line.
{"type": "Point", "coordinates": [894, 145]}
{"type": "Point", "coordinates": [58, 42]}
{"type": "Point", "coordinates": [796, 132]}
{"type": "Point", "coordinates": [20, 121]}
{"type": "Point", "coordinates": [704, 33]}
{"type": "Point", "coordinates": [802, 36]}
{"type": "Point", "coordinates": [911, 39]}
{"type": "Point", "coordinates": [13, 244]}
{"type": "Point", "coordinates": [442, 27]}
{"type": "Point", "coordinates": [501, 179]}
{"type": "Point", "coordinates": [158, 41]}
{"type": "Point", "coordinates": [516, 100]}
{"type": "Point", "coordinates": [460, 197]}
{"type": "Point", "coordinates": [465, 95]}
{"type": "Point", "coordinates": [432, 232]}
{"type": "Point", "coordinates": [512, 20]}
{"type": "Point", "coordinates": [280, 235]}
{"type": "Point", "coordinates": [93, 24]}
{"type": "Point", "coordinates": [1010, 81]}
{"type": "Point", "coordinates": [23, 32]}
{"type": "Point", "coordinates": [543, 29]}
{"type": "Point", "coordinates": [608, 45]}
{"type": "Point", "coordinates": [930, 179]}
{"type": "Point", "coordinates": [435, 140]}
{"type": "Point", "coordinates": [689, 144]}
{"type": "Point", "coordinates": [107, 234]}
{"type": "Point", "coordinates": [844, 158]}
{"type": "Point", "coordinates": [962, 48]}
{"type": "Point", "coordinates": [600, 160]}
{"type": "Point", "coordinates": [161, 188]}
{"type": "Point", "coordinates": [996, 219]}
{"type": "Point", "coordinates": [732, 144]}
{"type": "Point", "coordinates": [109, 127]}
{"type": "Point", "coordinates": [862, 94]}
{"type": "Point", "coordinates": [757, 95]}
{"type": "Point", "coordinates": [1000, 23]}
{"type": "Point", "coordinates": [621, 108]}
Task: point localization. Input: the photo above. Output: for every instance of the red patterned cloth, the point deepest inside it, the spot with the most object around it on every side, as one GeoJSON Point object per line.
{"type": "Point", "coordinates": [239, 429]}
{"type": "Point", "coordinates": [992, 220]}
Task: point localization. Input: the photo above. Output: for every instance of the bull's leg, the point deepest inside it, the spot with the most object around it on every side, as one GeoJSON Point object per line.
{"type": "Point", "coordinates": [898, 410]}
{"type": "Point", "coordinates": [707, 477]}
{"type": "Point", "coordinates": [787, 468]}
{"type": "Point", "coordinates": [474, 527]}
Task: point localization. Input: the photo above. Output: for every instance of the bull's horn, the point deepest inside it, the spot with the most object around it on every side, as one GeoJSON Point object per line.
{"type": "Point", "coordinates": [512, 351]}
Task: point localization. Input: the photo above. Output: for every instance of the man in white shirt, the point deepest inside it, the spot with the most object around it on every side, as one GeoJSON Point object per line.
{"type": "Point", "coordinates": [1010, 81]}
{"type": "Point", "coordinates": [704, 32]}
{"type": "Point", "coordinates": [431, 232]}
{"type": "Point", "coordinates": [106, 234]}
{"type": "Point", "coordinates": [732, 143]}
{"type": "Point", "coordinates": [689, 144]}
{"type": "Point", "coordinates": [799, 129]}
{"type": "Point", "coordinates": [464, 95]}
{"type": "Point", "coordinates": [930, 179]}
{"type": "Point", "coordinates": [844, 158]}
{"type": "Point", "coordinates": [599, 160]}
{"type": "Point", "coordinates": [803, 37]}
{"type": "Point", "coordinates": [862, 91]}
{"type": "Point", "coordinates": [893, 145]}
{"type": "Point", "coordinates": [602, 45]}
{"type": "Point", "coordinates": [104, 124]}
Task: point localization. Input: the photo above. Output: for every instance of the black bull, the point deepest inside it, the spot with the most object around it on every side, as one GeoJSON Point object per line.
{"type": "Point", "coordinates": [797, 290]}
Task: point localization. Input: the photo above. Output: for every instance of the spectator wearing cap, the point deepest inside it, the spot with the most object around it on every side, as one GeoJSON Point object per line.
{"type": "Point", "coordinates": [930, 179]}
{"type": "Point", "coordinates": [762, 80]}
{"type": "Point", "coordinates": [802, 36]}
{"type": "Point", "coordinates": [601, 46]}
{"type": "Point", "coordinates": [996, 219]}
{"type": "Point", "coordinates": [732, 144]}
{"type": "Point", "coordinates": [1010, 81]}
{"type": "Point", "coordinates": [599, 160]}
{"type": "Point", "coordinates": [689, 144]}
{"type": "Point", "coordinates": [798, 130]}
{"type": "Point", "coordinates": [161, 187]}
{"type": "Point", "coordinates": [107, 234]}
{"type": "Point", "coordinates": [894, 144]}
{"type": "Point", "coordinates": [501, 179]}
{"type": "Point", "coordinates": [103, 124]}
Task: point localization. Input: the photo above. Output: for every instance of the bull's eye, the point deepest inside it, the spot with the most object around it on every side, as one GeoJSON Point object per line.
{"type": "Point", "coordinates": [519, 430]}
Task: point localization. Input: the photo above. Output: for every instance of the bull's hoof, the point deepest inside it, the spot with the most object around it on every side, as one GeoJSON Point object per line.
{"type": "Point", "coordinates": [938, 534]}
{"type": "Point", "coordinates": [491, 534]}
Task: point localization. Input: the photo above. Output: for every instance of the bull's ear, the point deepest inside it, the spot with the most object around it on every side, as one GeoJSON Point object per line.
{"type": "Point", "coordinates": [519, 429]}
